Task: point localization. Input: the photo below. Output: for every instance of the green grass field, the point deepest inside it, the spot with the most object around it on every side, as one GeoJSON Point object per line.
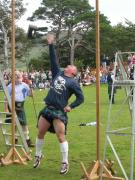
{"type": "Point", "coordinates": [82, 139]}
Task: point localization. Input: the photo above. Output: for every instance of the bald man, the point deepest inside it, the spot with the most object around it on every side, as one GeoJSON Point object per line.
{"type": "Point", "coordinates": [53, 117]}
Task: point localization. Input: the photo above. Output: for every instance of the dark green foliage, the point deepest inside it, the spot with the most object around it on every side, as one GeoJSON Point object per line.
{"type": "Point", "coordinates": [73, 23]}
{"type": "Point", "coordinates": [5, 28]}
{"type": "Point", "coordinates": [75, 20]}
{"type": "Point", "coordinates": [41, 62]}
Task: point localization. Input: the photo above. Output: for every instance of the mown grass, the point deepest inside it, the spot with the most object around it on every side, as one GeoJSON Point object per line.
{"type": "Point", "coordinates": [82, 139]}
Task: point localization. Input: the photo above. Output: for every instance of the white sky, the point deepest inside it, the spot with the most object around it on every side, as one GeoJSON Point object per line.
{"type": "Point", "coordinates": [31, 6]}
{"type": "Point", "coordinates": [115, 10]}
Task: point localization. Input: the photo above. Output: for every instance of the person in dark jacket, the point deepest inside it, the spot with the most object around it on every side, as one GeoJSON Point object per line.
{"type": "Point", "coordinates": [110, 86]}
{"type": "Point", "coordinates": [53, 117]}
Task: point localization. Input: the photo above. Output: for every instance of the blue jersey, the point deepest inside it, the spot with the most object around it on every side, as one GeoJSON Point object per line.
{"type": "Point", "coordinates": [62, 86]}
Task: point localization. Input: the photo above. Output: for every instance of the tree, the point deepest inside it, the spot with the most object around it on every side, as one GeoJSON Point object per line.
{"type": "Point", "coordinates": [23, 46]}
{"type": "Point", "coordinates": [5, 24]}
{"type": "Point", "coordinates": [68, 19]}
{"type": "Point", "coordinates": [73, 22]}
{"type": "Point", "coordinates": [124, 37]}
{"type": "Point", "coordinates": [42, 62]}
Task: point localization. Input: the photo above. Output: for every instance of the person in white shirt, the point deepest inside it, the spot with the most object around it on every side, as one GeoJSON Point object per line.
{"type": "Point", "coordinates": [22, 90]}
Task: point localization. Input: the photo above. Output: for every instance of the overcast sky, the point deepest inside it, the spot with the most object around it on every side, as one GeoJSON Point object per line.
{"type": "Point", "coordinates": [115, 10]}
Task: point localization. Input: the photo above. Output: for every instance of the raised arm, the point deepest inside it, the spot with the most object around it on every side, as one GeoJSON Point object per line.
{"type": "Point", "coordinates": [53, 59]}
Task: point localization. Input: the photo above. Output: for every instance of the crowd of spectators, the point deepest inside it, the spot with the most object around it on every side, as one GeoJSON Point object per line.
{"type": "Point", "coordinates": [42, 79]}
{"type": "Point", "coordinates": [36, 79]}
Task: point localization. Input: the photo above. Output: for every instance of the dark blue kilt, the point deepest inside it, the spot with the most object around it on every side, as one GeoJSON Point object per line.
{"type": "Point", "coordinates": [50, 113]}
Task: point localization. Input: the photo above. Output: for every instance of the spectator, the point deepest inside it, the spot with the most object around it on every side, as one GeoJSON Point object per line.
{"type": "Point", "coordinates": [111, 90]}
{"type": "Point", "coordinates": [22, 90]}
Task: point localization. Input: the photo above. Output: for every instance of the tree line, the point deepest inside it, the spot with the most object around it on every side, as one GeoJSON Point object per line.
{"type": "Point", "coordinates": [73, 23]}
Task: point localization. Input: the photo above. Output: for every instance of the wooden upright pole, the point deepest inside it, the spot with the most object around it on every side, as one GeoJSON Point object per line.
{"type": "Point", "coordinates": [96, 171]}
{"type": "Point", "coordinates": [13, 156]}
{"type": "Point", "coordinates": [13, 72]}
{"type": "Point", "coordinates": [97, 82]}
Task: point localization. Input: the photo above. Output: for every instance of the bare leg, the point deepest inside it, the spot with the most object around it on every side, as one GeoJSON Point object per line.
{"type": "Point", "coordinates": [43, 126]}
{"type": "Point", "coordinates": [60, 133]}
{"type": "Point", "coordinates": [59, 130]}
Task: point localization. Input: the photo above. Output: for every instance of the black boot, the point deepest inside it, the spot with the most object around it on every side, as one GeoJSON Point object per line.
{"type": "Point", "coordinates": [30, 144]}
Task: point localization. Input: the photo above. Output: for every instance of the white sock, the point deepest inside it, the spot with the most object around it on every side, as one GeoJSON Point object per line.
{"type": "Point", "coordinates": [64, 151]}
{"type": "Point", "coordinates": [39, 145]}
{"type": "Point", "coordinates": [26, 132]}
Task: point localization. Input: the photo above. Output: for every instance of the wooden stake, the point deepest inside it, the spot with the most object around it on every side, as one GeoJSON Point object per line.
{"type": "Point", "coordinates": [96, 171]}
{"type": "Point", "coordinates": [13, 156]}
{"type": "Point", "coordinates": [27, 156]}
